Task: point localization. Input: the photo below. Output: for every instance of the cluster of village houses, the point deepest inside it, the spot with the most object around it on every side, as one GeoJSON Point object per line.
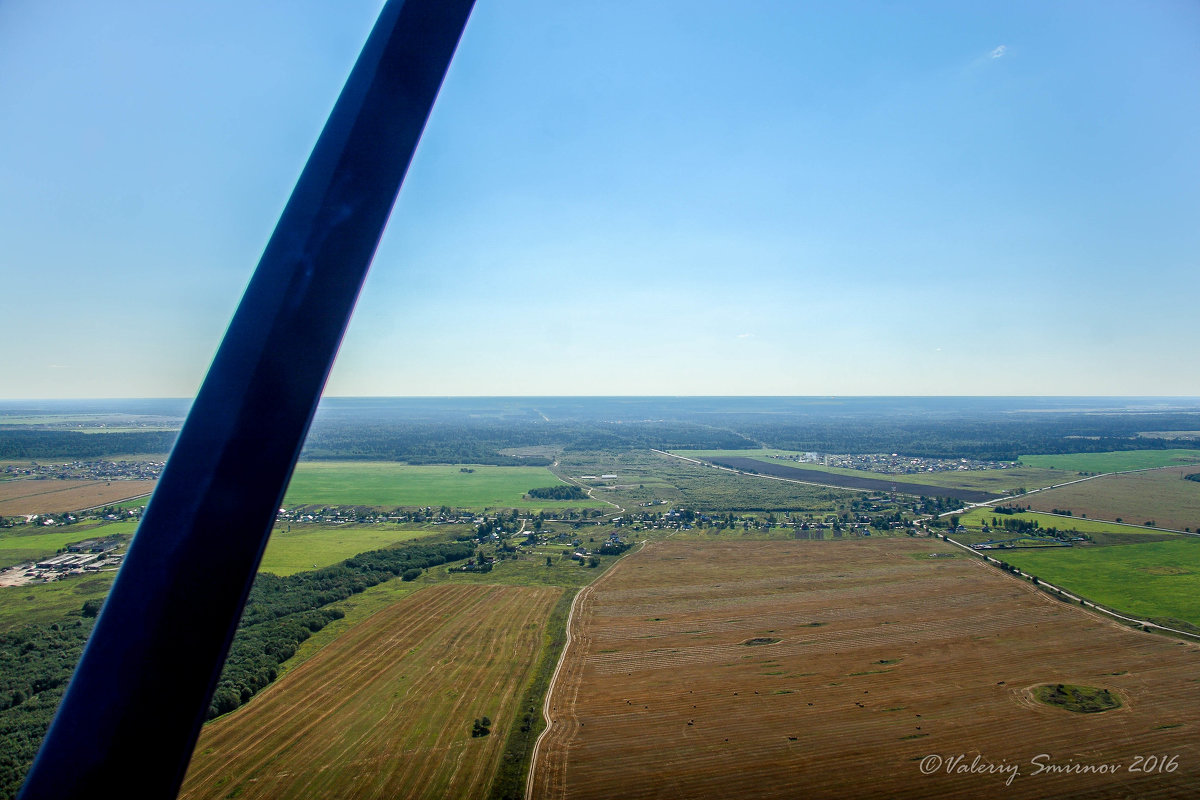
{"type": "Point", "coordinates": [89, 470]}
{"type": "Point", "coordinates": [894, 464]}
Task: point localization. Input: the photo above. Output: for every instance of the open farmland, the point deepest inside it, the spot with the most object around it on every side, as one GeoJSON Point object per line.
{"type": "Point", "coordinates": [831, 669]}
{"type": "Point", "coordinates": [57, 496]}
{"type": "Point", "coordinates": [650, 477]}
{"type": "Point", "coordinates": [386, 710]}
{"type": "Point", "coordinates": [1159, 581]}
{"type": "Point", "coordinates": [385, 484]}
{"type": "Point", "coordinates": [1099, 531]}
{"type": "Point", "coordinates": [299, 547]}
{"type": "Point", "coordinates": [1161, 496]}
{"type": "Point", "coordinates": [1115, 461]}
{"type": "Point", "coordinates": [887, 483]}
{"type": "Point", "coordinates": [996, 481]}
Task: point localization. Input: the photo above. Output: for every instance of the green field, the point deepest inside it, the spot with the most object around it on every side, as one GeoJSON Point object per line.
{"type": "Point", "coordinates": [136, 503]}
{"type": "Point", "coordinates": [50, 602]}
{"type": "Point", "coordinates": [646, 477]}
{"type": "Point", "coordinates": [29, 543]}
{"type": "Point", "coordinates": [1159, 581]}
{"type": "Point", "coordinates": [385, 484]}
{"type": "Point", "coordinates": [988, 480]}
{"type": "Point", "coordinates": [307, 547]}
{"type": "Point", "coordinates": [1101, 532]}
{"type": "Point", "coordinates": [1113, 462]}
{"type": "Point", "coordinates": [1161, 496]}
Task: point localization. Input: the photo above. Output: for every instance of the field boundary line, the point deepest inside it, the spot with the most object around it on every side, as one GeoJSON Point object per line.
{"type": "Point", "coordinates": [562, 657]}
{"type": "Point", "coordinates": [1083, 602]}
{"type": "Point", "coordinates": [768, 477]}
{"type": "Point", "coordinates": [122, 500]}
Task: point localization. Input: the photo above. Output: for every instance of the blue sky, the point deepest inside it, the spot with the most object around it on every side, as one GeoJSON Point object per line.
{"type": "Point", "coordinates": [626, 197]}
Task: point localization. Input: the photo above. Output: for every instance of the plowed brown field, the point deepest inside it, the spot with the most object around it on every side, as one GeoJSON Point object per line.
{"type": "Point", "coordinates": [385, 711]}
{"type": "Point", "coordinates": [57, 496]}
{"type": "Point", "coordinates": [884, 657]}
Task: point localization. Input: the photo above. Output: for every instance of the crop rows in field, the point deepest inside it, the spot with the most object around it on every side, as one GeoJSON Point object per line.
{"type": "Point", "coordinates": [386, 710]}
{"type": "Point", "coordinates": [871, 656]}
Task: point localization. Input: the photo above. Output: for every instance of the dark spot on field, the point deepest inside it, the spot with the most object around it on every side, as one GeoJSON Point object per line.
{"type": "Point", "coordinates": [1080, 699]}
{"type": "Point", "coordinates": [761, 640]}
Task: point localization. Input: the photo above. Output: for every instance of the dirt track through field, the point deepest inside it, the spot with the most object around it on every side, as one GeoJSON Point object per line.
{"type": "Point", "coordinates": [883, 657]}
{"type": "Point", "coordinates": [385, 711]}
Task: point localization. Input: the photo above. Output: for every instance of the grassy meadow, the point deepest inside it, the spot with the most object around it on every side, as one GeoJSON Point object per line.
{"type": "Point", "coordinates": [1101, 531]}
{"type": "Point", "coordinates": [1161, 496]}
{"type": "Point", "coordinates": [644, 477]}
{"type": "Point", "coordinates": [989, 480]}
{"type": "Point", "coordinates": [1113, 462]}
{"type": "Point", "coordinates": [298, 548]}
{"type": "Point", "coordinates": [386, 484]}
{"type": "Point", "coordinates": [1156, 580]}
{"type": "Point", "coordinates": [50, 602]}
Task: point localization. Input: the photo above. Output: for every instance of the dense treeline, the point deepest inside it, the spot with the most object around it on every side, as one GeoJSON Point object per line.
{"type": "Point", "coordinates": [938, 430]}
{"type": "Point", "coordinates": [37, 444]}
{"type": "Point", "coordinates": [481, 442]}
{"type": "Point", "coordinates": [563, 492]}
{"type": "Point", "coordinates": [1002, 437]}
{"type": "Point", "coordinates": [282, 612]}
{"type": "Point", "coordinates": [485, 430]}
{"type": "Point", "coordinates": [36, 661]}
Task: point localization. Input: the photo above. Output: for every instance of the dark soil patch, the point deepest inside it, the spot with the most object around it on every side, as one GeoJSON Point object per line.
{"type": "Point", "coordinates": [852, 481]}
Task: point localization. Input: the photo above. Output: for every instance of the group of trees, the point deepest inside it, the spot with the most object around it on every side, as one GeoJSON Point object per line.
{"type": "Point", "coordinates": [282, 612]}
{"type": "Point", "coordinates": [36, 662]}
{"type": "Point", "coordinates": [1032, 528]}
{"type": "Point", "coordinates": [42, 444]}
{"type": "Point", "coordinates": [562, 492]}
{"type": "Point", "coordinates": [458, 441]}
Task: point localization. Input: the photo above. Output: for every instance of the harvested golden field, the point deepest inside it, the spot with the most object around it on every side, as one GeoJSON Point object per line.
{"type": "Point", "coordinates": [1161, 496]}
{"type": "Point", "coordinates": [840, 669]}
{"type": "Point", "coordinates": [58, 496]}
{"type": "Point", "coordinates": [386, 710]}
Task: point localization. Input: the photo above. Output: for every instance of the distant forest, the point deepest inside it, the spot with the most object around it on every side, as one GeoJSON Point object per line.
{"type": "Point", "coordinates": [488, 430]}
{"type": "Point", "coordinates": [18, 444]}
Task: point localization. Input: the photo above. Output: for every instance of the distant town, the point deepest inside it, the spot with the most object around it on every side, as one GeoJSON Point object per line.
{"type": "Point", "coordinates": [89, 470]}
{"type": "Point", "coordinates": [893, 463]}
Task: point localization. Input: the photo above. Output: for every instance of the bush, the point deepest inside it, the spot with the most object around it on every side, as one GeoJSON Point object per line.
{"type": "Point", "coordinates": [410, 574]}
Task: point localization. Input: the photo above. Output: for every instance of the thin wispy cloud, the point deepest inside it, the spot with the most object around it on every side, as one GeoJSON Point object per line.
{"type": "Point", "coordinates": [744, 335]}
{"type": "Point", "coordinates": [999, 51]}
